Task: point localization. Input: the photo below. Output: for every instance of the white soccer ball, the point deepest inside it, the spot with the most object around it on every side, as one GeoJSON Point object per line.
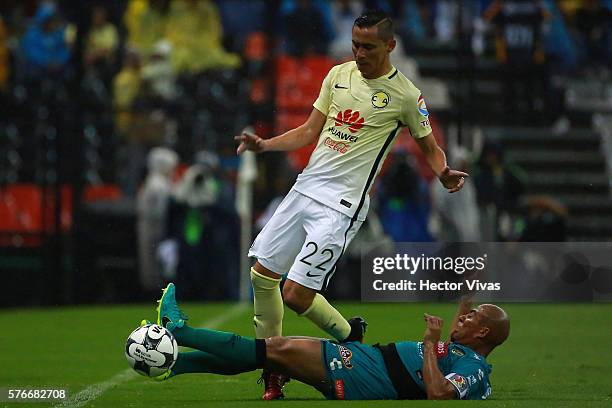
{"type": "Point", "coordinates": [151, 350]}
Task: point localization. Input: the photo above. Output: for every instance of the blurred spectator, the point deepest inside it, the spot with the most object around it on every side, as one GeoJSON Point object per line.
{"type": "Point", "coordinates": [204, 231]}
{"type": "Point", "coordinates": [4, 55]}
{"type": "Point", "coordinates": [305, 30]}
{"type": "Point", "coordinates": [344, 14]}
{"type": "Point", "coordinates": [44, 45]}
{"type": "Point", "coordinates": [126, 88]}
{"type": "Point", "coordinates": [499, 186]}
{"type": "Point", "coordinates": [593, 21]}
{"type": "Point", "coordinates": [456, 214]}
{"type": "Point", "coordinates": [146, 23]}
{"type": "Point", "coordinates": [151, 211]}
{"type": "Point", "coordinates": [558, 43]}
{"type": "Point", "coordinates": [158, 76]}
{"type": "Point", "coordinates": [241, 18]}
{"type": "Point", "coordinates": [194, 29]}
{"type": "Point", "coordinates": [280, 187]}
{"type": "Point", "coordinates": [404, 202]}
{"type": "Point", "coordinates": [410, 25]}
{"type": "Point", "coordinates": [519, 50]}
{"type": "Point", "coordinates": [546, 220]}
{"type": "Point", "coordinates": [101, 44]}
{"type": "Point", "coordinates": [445, 20]}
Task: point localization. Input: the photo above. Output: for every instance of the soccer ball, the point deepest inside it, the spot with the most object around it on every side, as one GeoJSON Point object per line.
{"type": "Point", "coordinates": [151, 350]}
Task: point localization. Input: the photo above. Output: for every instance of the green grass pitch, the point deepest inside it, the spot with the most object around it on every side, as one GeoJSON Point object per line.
{"type": "Point", "coordinates": [558, 355]}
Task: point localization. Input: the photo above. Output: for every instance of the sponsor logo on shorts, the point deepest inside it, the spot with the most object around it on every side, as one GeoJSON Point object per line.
{"type": "Point", "coordinates": [311, 275]}
{"type": "Point", "coordinates": [346, 354]}
{"type": "Point", "coordinates": [339, 389]}
{"type": "Point", "coordinates": [335, 364]}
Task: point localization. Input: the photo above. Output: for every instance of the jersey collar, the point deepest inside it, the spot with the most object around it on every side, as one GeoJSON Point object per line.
{"type": "Point", "coordinates": [389, 75]}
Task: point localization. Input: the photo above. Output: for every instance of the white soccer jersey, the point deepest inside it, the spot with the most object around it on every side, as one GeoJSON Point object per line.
{"type": "Point", "coordinates": [363, 118]}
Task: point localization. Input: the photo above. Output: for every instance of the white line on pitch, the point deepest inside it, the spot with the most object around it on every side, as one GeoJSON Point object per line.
{"type": "Point", "coordinates": [95, 390]}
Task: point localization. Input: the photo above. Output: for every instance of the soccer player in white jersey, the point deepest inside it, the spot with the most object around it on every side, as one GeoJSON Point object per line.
{"type": "Point", "coordinates": [360, 108]}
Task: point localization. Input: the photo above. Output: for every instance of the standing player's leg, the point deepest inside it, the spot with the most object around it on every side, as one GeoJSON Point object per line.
{"type": "Point", "coordinates": [275, 249]}
{"type": "Point", "coordinates": [328, 233]}
{"type": "Point", "coordinates": [267, 302]}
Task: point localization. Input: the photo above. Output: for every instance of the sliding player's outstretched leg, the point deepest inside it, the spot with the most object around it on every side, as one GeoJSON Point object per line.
{"type": "Point", "coordinates": [169, 315]}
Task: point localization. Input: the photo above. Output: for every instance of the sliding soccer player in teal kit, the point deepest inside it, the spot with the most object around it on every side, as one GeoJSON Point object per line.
{"type": "Point", "coordinates": [427, 369]}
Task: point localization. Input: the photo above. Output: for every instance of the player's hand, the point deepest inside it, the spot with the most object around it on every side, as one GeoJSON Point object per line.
{"type": "Point", "coordinates": [249, 141]}
{"type": "Point", "coordinates": [452, 179]}
{"type": "Point", "coordinates": [433, 329]}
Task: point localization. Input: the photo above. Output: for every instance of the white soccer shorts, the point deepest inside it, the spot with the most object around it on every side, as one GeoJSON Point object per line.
{"type": "Point", "coordinates": [304, 239]}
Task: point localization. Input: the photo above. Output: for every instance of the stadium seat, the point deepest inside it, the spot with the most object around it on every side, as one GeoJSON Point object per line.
{"type": "Point", "coordinates": [66, 209]}
{"type": "Point", "coordinates": [286, 120]}
{"type": "Point", "coordinates": [256, 46]}
{"type": "Point", "coordinates": [102, 192]}
{"type": "Point", "coordinates": [25, 202]}
{"type": "Point", "coordinates": [299, 80]}
{"type": "Point", "coordinates": [8, 216]}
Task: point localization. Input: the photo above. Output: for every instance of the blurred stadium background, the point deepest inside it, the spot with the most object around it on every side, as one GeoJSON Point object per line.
{"type": "Point", "coordinates": [118, 169]}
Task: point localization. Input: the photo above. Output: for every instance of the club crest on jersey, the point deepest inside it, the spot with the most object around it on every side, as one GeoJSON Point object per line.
{"type": "Point", "coordinates": [422, 107]}
{"type": "Point", "coordinates": [380, 99]}
{"type": "Point", "coordinates": [350, 118]}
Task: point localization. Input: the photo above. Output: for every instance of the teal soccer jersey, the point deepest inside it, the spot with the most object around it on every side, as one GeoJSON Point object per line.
{"type": "Point", "coordinates": [467, 370]}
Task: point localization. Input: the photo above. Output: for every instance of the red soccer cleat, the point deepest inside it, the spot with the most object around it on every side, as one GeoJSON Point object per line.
{"type": "Point", "coordinates": [273, 384]}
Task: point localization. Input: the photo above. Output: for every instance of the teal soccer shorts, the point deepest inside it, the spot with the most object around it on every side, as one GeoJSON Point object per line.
{"type": "Point", "coordinates": [356, 372]}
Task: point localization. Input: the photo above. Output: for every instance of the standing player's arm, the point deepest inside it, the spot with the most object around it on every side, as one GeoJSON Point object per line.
{"type": "Point", "coordinates": [293, 139]}
{"type": "Point", "coordinates": [451, 179]}
{"type": "Point", "coordinates": [436, 385]}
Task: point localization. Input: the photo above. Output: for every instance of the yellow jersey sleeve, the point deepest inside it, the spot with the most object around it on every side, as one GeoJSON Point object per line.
{"type": "Point", "coordinates": [323, 102]}
{"type": "Point", "coordinates": [414, 114]}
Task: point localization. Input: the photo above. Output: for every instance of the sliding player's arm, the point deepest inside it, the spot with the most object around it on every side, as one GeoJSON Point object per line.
{"type": "Point", "coordinates": [451, 179]}
{"type": "Point", "coordinates": [293, 139]}
{"type": "Point", "coordinates": [436, 385]}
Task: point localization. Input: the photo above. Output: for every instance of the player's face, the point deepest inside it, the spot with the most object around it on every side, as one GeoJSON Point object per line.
{"type": "Point", "coordinates": [370, 52]}
{"type": "Point", "coordinates": [469, 326]}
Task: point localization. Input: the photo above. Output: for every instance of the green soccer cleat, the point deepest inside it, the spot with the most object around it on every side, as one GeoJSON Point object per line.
{"type": "Point", "coordinates": [144, 322]}
{"type": "Point", "coordinates": [169, 315]}
{"type": "Point", "coordinates": [163, 377]}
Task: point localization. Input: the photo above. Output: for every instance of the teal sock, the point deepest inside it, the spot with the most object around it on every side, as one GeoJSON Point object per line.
{"type": "Point", "coordinates": [203, 362]}
{"type": "Point", "coordinates": [240, 352]}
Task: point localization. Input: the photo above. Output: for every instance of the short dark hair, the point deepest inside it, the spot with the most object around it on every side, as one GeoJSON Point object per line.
{"type": "Point", "coordinates": [376, 18]}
